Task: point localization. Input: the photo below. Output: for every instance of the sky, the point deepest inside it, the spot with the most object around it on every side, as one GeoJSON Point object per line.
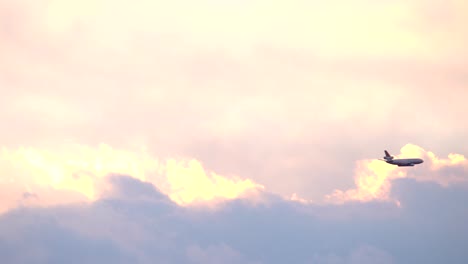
{"type": "Point", "coordinates": [233, 131]}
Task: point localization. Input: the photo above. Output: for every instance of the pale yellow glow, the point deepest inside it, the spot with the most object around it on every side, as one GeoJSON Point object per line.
{"type": "Point", "coordinates": [453, 159]}
{"type": "Point", "coordinates": [191, 183]}
{"type": "Point", "coordinates": [61, 16]}
{"type": "Point", "coordinates": [373, 177]}
{"type": "Point", "coordinates": [372, 181]}
{"type": "Point", "coordinates": [83, 170]}
{"type": "Point", "coordinates": [342, 28]}
{"type": "Point", "coordinates": [411, 151]}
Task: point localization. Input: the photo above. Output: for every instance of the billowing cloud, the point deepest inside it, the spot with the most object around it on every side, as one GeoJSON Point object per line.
{"type": "Point", "coordinates": [77, 173]}
{"type": "Point", "coordinates": [50, 176]}
{"type": "Point", "coordinates": [374, 178]}
{"type": "Point", "coordinates": [123, 228]}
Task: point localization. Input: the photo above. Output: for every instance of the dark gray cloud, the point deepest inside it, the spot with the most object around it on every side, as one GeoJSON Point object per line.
{"type": "Point", "coordinates": [429, 227]}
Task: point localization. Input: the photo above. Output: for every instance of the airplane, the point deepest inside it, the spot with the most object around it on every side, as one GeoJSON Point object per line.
{"type": "Point", "coordinates": [401, 162]}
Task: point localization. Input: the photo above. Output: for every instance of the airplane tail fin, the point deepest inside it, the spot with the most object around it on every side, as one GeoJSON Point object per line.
{"type": "Point", "coordinates": [387, 156]}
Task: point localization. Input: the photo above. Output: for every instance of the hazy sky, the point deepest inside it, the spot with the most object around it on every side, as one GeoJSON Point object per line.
{"type": "Point", "coordinates": [233, 131]}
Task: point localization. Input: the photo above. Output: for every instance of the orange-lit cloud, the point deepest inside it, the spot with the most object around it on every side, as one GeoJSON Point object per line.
{"type": "Point", "coordinates": [45, 177]}
{"type": "Point", "coordinates": [373, 178]}
{"type": "Point", "coordinates": [77, 173]}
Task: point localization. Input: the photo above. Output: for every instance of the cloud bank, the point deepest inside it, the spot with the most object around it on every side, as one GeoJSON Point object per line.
{"type": "Point", "coordinates": [79, 172]}
{"type": "Point", "coordinates": [139, 224]}
{"type": "Point", "coordinates": [83, 204]}
{"type": "Point", "coordinates": [374, 178]}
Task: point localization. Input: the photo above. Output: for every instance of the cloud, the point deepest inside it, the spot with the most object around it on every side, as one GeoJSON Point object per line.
{"type": "Point", "coordinates": [83, 171]}
{"type": "Point", "coordinates": [214, 82]}
{"type": "Point", "coordinates": [374, 178]}
{"type": "Point", "coordinates": [363, 254]}
{"type": "Point", "coordinates": [79, 173]}
{"type": "Point", "coordinates": [428, 228]}
{"type": "Point", "coordinates": [38, 237]}
{"type": "Point", "coordinates": [129, 188]}
{"type": "Point", "coordinates": [291, 102]}
{"type": "Point", "coordinates": [215, 254]}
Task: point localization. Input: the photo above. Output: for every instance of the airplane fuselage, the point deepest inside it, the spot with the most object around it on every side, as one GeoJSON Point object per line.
{"type": "Point", "coordinates": [404, 162]}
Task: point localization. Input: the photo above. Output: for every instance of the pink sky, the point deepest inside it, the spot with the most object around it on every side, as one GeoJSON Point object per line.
{"type": "Point", "coordinates": [287, 95]}
{"type": "Point", "coordinates": [273, 91]}
{"type": "Point", "coordinates": [233, 131]}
